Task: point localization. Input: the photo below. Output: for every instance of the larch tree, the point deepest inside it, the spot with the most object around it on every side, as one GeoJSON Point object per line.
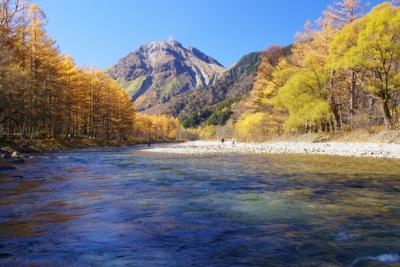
{"type": "Point", "coordinates": [43, 94]}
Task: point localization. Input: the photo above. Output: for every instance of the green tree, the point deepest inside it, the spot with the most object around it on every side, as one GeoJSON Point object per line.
{"type": "Point", "coordinates": [304, 95]}
{"type": "Point", "coordinates": [372, 44]}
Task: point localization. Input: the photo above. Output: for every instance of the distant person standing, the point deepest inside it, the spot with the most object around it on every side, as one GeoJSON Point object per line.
{"type": "Point", "coordinates": [222, 140]}
{"type": "Point", "coordinates": [148, 144]}
{"type": "Point", "coordinates": [233, 142]}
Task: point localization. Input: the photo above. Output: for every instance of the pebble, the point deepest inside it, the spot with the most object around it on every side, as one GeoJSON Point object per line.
{"type": "Point", "coordinates": [337, 149]}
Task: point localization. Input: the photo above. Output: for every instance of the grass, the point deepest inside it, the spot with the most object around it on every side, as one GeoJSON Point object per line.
{"type": "Point", "coordinates": [376, 135]}
{"type": "Point", "coordinates": [131, 87]}
{"type": "Point", "coordinates": [170, 86]}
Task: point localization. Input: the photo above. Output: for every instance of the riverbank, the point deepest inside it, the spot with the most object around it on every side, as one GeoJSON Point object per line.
{"type": "Point", "coordinates": [45, 145]}
{"type": "Point", "coordinates": [13, 152]}
{"type": "Point", "coordinates": [376, 150]}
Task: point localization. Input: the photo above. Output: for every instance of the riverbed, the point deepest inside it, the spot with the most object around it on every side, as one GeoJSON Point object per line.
{"type": "Point", "coordinates": [345, 149]}
{"type": "Point", "coordinates": [128, 207]}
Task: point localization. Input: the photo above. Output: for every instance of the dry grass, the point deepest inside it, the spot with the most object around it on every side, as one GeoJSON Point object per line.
{"type": "Point", "coordinates": [373, 135]}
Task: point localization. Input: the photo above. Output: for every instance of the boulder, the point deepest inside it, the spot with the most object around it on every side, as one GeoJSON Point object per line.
{"type": "Point", "coordinates": [15, 154]}
{"type": "Point", "coordinates": [4, 154]}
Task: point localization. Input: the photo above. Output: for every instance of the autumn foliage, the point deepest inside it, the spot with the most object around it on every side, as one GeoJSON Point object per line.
{"type": "Point", "coordinates": [342, 73]}
{"type": "Point", "coordinates": [157, 128]}
{"type": "Point", "coordinates": [43, 94]}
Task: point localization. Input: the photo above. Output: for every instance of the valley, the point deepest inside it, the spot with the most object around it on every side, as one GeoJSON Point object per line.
{"type": "Point", "coordinates": [248, 140]}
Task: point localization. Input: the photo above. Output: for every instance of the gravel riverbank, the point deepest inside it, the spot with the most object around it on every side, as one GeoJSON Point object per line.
{"type": "Point", "coordinates": [377, 150]}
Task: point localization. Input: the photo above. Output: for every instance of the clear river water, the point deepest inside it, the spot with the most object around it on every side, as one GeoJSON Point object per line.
{"type": "Point", "coordinates": [126, 207]}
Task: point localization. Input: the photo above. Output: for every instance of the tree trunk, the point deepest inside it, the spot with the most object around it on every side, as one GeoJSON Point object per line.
{"type": "Point", "coordinates": [333, 104]}
{"type": "Point", "coordinates": [352, 97]}
{"type": "Point", "coordinates": [386, 113]}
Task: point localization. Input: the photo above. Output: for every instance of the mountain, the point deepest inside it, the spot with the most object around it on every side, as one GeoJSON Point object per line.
{"type": "Point", "coordinates": [160, 71]}
{"type": "Point", "coordinates": [230, 87]}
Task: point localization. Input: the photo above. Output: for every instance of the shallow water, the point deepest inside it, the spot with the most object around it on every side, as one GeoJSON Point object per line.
{"type": "Point", "coordinates": [119, 207]}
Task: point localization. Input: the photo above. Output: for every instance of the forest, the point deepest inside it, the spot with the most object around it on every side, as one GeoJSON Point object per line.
{"type": "Point", "coordinates": [45, 95]}
{"type": "Point", "coordinates": [341, 74]}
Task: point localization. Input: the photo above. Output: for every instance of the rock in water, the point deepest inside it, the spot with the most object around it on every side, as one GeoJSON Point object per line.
{"type": "Point", "coordinates": [4, 154]}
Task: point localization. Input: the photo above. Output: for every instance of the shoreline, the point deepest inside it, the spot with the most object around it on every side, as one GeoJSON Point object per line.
{"type": "Point", "coordinates": [14, 153]}
{"type": "Point", "coordinates": [347, 149]}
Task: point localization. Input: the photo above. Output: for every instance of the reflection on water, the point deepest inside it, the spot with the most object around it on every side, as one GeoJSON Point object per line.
{"type": "Point", "coordinates": [125, 207]}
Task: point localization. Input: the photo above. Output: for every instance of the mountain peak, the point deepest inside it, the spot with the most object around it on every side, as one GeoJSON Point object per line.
{"type": "Point", "coordinates": [173, 42]}
{"type": "Point", "coordinates": [163, 44]}
{"type": "Point", "coordinates": [160, 70]}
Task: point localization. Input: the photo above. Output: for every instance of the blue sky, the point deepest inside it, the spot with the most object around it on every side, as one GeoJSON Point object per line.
{"type": "Point", "coordinates": [97, 33]}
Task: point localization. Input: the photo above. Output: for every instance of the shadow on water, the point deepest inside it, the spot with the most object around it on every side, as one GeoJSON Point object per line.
{"type": "Point", "coordinates": [126, 207]}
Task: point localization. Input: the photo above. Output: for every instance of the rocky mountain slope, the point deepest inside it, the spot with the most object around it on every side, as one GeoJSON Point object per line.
{"type": "Point", "coordinates": [158, 72]}
{"type": "Point", "coordinates": [231, 86]}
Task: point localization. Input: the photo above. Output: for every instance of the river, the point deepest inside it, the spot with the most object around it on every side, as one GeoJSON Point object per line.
{"type": "Point", "coordinates": [126, 207]}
